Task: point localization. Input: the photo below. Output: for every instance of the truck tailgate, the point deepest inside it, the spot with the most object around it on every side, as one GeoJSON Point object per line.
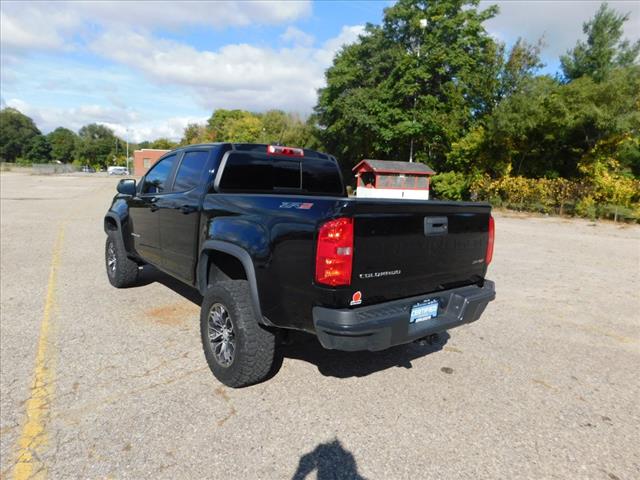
{"type": "Point", "coordinates": [405, 248]}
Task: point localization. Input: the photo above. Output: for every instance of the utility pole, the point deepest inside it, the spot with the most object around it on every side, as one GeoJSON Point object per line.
{"type": "Point", "coordinates": [423, 25]}
{"type": "Point", "coordinates": [127, 137]}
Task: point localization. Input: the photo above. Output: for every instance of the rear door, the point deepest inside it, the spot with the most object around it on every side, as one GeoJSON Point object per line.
{"type": "Point", "coordinates": [404, 248]}
{"type": "Point", "coordinates": [179, 213]}
{"type": "Point", "coordinates": [143, 209]}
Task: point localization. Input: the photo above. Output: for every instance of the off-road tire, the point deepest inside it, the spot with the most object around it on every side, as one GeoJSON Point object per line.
{"type": "Point", "coordinates": [125, 273]}
{"type": "Point", "coordinates": [254, 349]}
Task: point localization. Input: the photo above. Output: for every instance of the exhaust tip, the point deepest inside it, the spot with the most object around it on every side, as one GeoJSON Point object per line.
{"type": "Point", "coordinates": [433, 339]}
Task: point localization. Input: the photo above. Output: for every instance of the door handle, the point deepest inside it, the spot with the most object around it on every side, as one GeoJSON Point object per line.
{"type": "Point", "coordinates": [436, 225]}
{"type": "Point", "coordinates": [153, 207]}
{"type": "Point", "coordinates": [186, 209]}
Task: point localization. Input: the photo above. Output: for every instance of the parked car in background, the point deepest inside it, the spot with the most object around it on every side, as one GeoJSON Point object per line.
{"type": "Point", "coordinates": [88, 169]}
{"type": "Point", "coordinates": [117, 171]}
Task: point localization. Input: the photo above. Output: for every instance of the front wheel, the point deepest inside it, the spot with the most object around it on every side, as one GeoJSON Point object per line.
{"type": "Point", "coordinates": [121, 270]}
{"type": "Point", "coordinates": [239, 351]}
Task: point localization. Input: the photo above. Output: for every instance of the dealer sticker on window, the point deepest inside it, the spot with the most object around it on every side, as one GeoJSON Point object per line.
{"type": "Point", "coordinates": [424, 311]}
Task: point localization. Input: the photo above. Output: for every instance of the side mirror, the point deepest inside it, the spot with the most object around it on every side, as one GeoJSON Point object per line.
{"type": "Point", "coordinates": [127, 187]}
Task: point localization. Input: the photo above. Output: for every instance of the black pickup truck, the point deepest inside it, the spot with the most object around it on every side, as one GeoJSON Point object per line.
{"type": "Point", "coordinates": [269, 237]}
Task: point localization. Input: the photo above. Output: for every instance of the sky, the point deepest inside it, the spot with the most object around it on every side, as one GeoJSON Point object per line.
{"type": "Point", "coordinates": [147, 69]}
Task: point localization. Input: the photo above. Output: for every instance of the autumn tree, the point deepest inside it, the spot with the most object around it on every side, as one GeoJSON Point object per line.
{"type": "Point", "coordinates": [195, 133]}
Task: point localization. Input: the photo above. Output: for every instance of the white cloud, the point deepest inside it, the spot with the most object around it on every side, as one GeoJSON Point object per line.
{"type": "Point", "coordinates": [152, 14]}
{"type": "Point", "coordinates": [124, 122]}
{"type": "Point", "coordinates": [49, 118]}
{"type": "Point", "coordinates": [154, 97]}
{"type": "Point", "coordinates": [33, 30]}
{"type": "Point", "coordinates": [560, 21]}
{"type": "Point", "coordinates": [297, 37]}
{"type": "Point", "coordinates": [52, 25]}
{"type": "Point", "coordinates": [347, 35]}
{"type": "Point", "coordinates": [235, 76]}
{"type": "Point", "coordinates": [171, 128]}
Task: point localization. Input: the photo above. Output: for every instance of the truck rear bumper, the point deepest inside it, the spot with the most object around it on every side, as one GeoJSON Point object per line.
{"type": "Point", "coordinates": [384, 325]}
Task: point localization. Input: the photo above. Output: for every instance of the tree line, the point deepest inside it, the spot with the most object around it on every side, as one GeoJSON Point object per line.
{"type": "Point", "coordinates": [273, 126]}
{"type": "Point", "coordinates": [469, 104]}
{"type": "Point", "coordinates": [95, 145]}
{"type": "Point", "coordinates": [430, 83]}
{"type": "Point", "coordinates": [98, 146]}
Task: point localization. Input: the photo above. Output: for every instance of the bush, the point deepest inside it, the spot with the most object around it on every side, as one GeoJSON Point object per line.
{"type": "Point", "coordinates": [450, 186]}
{"type": "Point", "coordinates": [599, 197]}
{"type": "Point", "coordinates": [586, 207]}
{"type": "Point", "coordinates": [618, 213]}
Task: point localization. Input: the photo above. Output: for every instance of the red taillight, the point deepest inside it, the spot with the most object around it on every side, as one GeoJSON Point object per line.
{"type": "Point", "coordinates": [492, 234]}
{"type": "Point", "coordinates": [335, 252]}
{"type": "Point", "coordinates": [288, 151]}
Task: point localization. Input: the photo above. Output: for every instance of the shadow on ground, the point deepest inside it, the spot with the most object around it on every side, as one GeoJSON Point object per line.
{"type": "Point", "coordinates": [149, 274]}
{"type": "Point", "coordinates": [305, 347]}
{"type": "Point", "coordinates": [334, 363]}
{"type": "Point", "coordinates": [331, 461]}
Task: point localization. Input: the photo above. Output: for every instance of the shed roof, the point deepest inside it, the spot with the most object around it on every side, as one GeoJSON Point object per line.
{"type": "Point", "coordinates": [389, 166]}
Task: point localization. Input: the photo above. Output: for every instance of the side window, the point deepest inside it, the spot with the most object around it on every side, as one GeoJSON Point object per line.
{"type": "Point", "coordinates": [244, 173]}
{"type": "Point", "coordinates": [156, 178]}
{"type": "Point", "coordinates": [190, 169]}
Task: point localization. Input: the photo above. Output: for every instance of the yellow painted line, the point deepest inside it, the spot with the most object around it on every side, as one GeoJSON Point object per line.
{"type": "Point", "coordinates": [34, 433]}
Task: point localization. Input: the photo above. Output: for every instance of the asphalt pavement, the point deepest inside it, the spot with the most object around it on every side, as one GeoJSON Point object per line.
{"type": "Point", "coordinates": [100, 383]}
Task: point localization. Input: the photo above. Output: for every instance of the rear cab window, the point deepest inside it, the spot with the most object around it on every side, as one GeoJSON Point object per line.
{"type": "Point", "coordinates": [190, 170]}
{"type": "Point", "coordinates": [257, 172]}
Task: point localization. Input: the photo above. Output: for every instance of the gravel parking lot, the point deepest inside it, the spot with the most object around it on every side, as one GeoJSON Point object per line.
{"type": "Point", "coordinates": [545, 385]}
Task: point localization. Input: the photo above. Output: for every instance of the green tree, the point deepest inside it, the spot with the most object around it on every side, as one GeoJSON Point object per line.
{"type": "Point", "coordinates": [425, 76]}
{"type": "Point", "coordinates": [450, 185]}
{"type": "Point", "coordinates": [96, 145]}
{"type": "Point", "coordinates": [194, 133]}
{"type": "Point", "coordinates": [520, 65]}
{"type": "Point", "coordinates": [219, 121]}
{"type": "Point", "coordinates": [288, 129]}
{"type": "Point", "coordinates": [271, 127]}
{"type": "Point", "coordinates": [604, 49]}
{"type": "Point", "coordinates": [163, 144]}
{"type": "Point", "coordinates": [548, 129]}
{"type": "Point", "coordinates": [275, 125]}
{"type": "Point", "coordinates": [38, 150]}
{"type": "Point", "coordinates": [245, 129]}
{"type": "Point", "coordinates": [63, 144]}
{"type": "Point", "coordinates": [16, 133]}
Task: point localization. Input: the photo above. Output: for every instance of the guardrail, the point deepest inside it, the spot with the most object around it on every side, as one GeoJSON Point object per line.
{"type": "Point", "coordinates": [53, 168]}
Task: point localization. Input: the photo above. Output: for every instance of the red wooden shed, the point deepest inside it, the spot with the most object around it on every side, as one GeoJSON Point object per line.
{"type": "Point", "coordinates": [391, 179]}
